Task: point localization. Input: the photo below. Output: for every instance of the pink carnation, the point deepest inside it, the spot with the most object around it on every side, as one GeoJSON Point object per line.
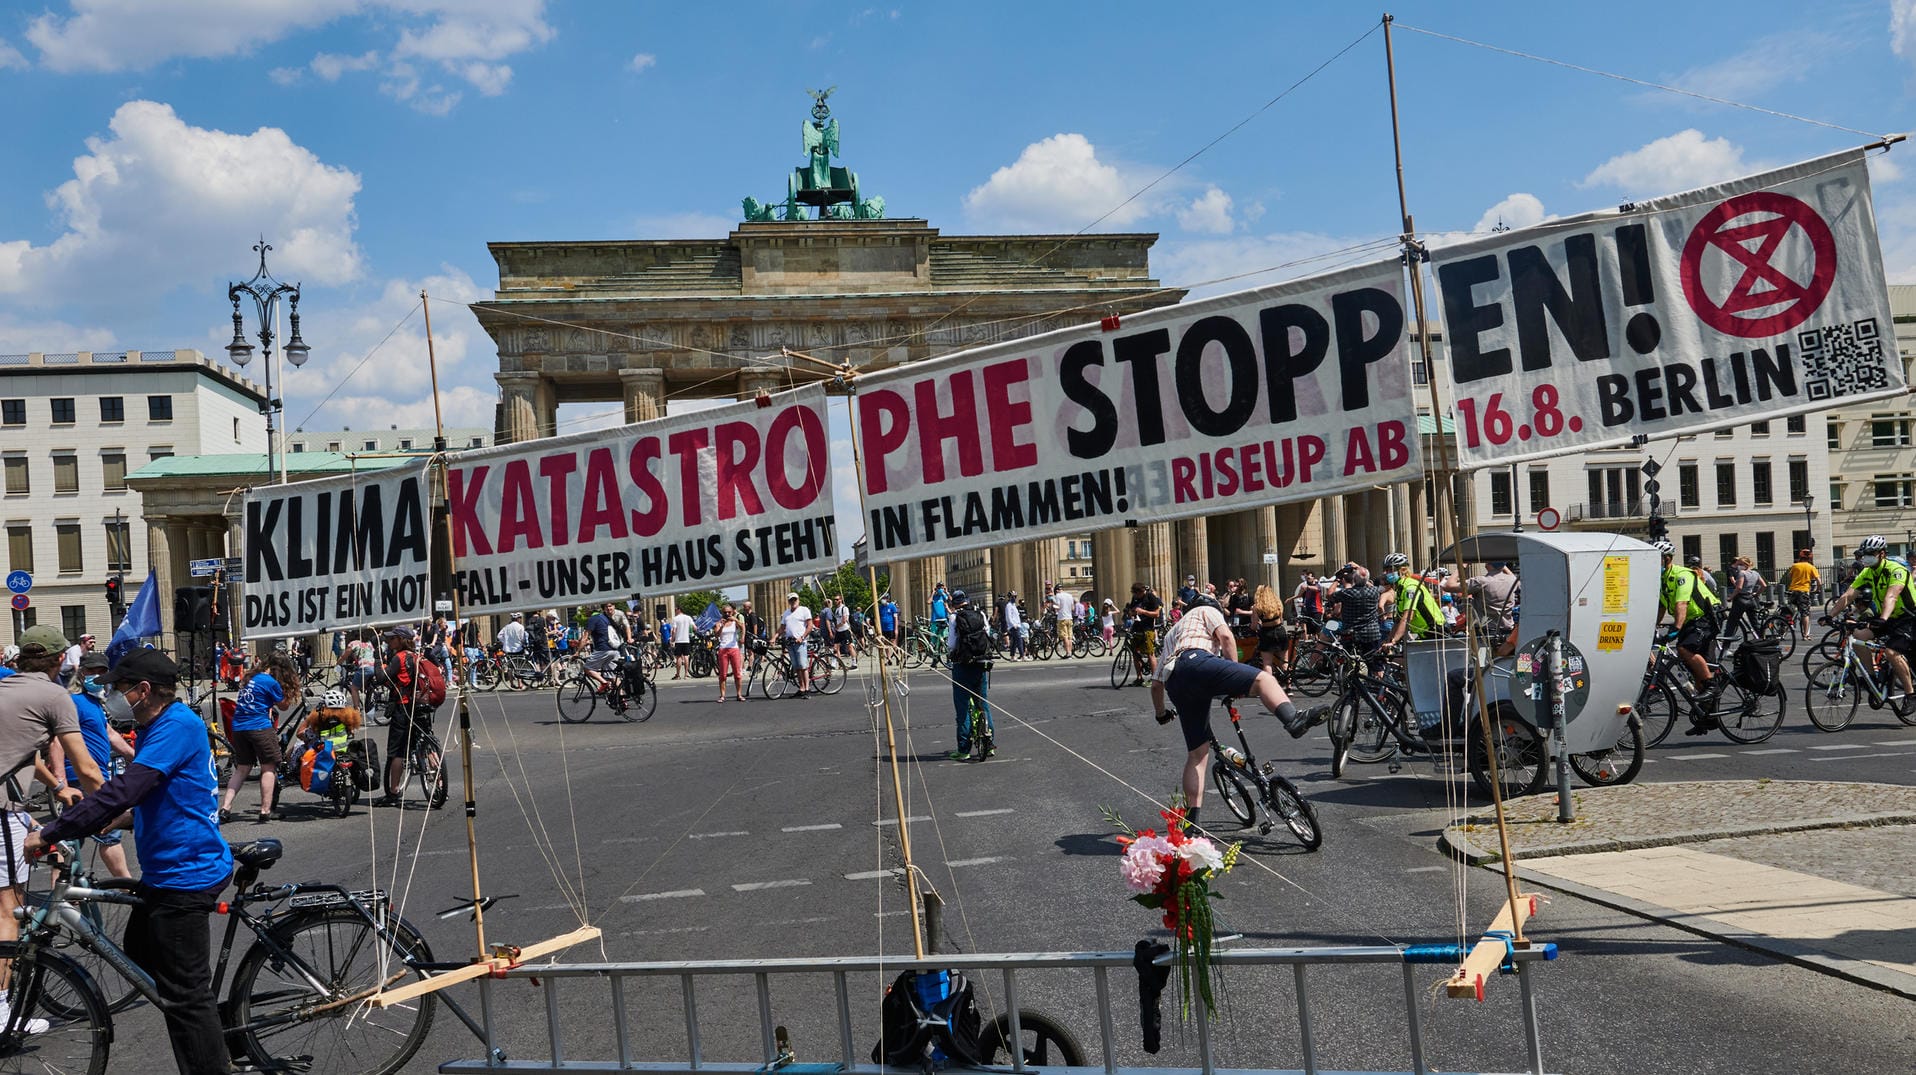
{"type": "Point", "coordinates": [1143, 863]}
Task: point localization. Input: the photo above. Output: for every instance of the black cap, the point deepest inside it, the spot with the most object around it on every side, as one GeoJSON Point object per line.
{"type": "Point", "coordinates": [144, 666]}
{"type": "Point", "coordinates": [94, 661]}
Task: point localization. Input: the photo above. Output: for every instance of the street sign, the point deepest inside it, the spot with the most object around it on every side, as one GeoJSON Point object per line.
{"type": "Point", "coordinates": [21, 602]}
{"type": "Point", "coordinates": [1549, 518]}
{"type": "Point", "coordinates": [19, 582]}
{"type": "Point", "coordinates": [1270, 558]}
{"type": "Point", "coordinates": [442, 605]}
{"type": "Point", "coordinates": [1651, 468]}
{"type": "Point", "coordinates": [233, 565]}
{"type": "Point", "coordinates": [200, 569]}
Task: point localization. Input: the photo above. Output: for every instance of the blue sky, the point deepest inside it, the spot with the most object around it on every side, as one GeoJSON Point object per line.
{"type": "Point", "coordinates": [379, 144]}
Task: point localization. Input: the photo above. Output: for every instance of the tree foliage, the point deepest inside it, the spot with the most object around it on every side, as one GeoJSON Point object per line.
{"type": "Point", "coordinates": [698, 601]}
{"type": "Point", "coordinates": [847, 580]}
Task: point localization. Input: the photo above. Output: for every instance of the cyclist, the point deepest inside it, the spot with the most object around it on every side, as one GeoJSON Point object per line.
{"type": "Point", "coordinates": [1199, 666]}
{"type": "Point", "coordinates": [888, 619]}
{"type": "Point", "coordinates": [753, 623]}
{"type": "Point", "coordinates": [1355, 604]}
{"type": "Point", "coordinates": [1694, 609]}
{"type": "Point", "coordinates": [1144, 613]}
{"type": "Point", "coordinates": [1746, 586]}
{"type": "Point", "coordinates": [1416, 608]}
{"type": "Point", "coordinates": [107, 747]}
{"type": "Point", "coordinates": [512, 637]}
{"type": "Point", "coordinates": [794, 629]}
{"type": "Point", "coordinates": [1803, 579]}
{"type": "Point", "coordinates": [968, 644]}
{"type": "Point", "coordinates": [1887, 583]}
{"type": "Point", "coordinates": [404, 713]}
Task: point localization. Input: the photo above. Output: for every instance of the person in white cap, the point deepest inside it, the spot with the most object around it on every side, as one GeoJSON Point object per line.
{"type": "Point", "coordinates": [794, 627]}
{"type": "Point", "coordinates": [512, 637]}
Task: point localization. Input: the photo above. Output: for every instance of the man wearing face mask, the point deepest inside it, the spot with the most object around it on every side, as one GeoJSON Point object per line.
{"type": "Point", "coordinates": [103, 743]}
{"type": "Point", "coordinates": [1888, 584]}
{"type": "Point", "coordinates": [184, 863]}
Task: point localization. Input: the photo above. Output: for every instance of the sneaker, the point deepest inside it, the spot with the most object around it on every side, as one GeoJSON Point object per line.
{"type": "Point", "coordinates": [1308, 719]}
{"type": "Point", "coordinates": [225, 816]}
{"type": "Point", "coordinates": [960, 754]}
{"type": "Point", "coordinates": [270, 815]}
{"type": "Point", "coordinates": [389, 800]}
{"type": "Point", "coordinates": [991, 748]}
{"type": "Point", "coordinates": [27, 1026]}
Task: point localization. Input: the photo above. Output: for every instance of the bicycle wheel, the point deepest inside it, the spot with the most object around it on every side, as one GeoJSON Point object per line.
{"type": "Point", "coordinates": [1371, 741]}
{"type": "Point", "coordinates": [1618, 765]}
{"type": "Point", "coordinates": [1299, 816]}
{"type": "Point", "coordinates": [641, 698]}
{"type": "Point", "coordinates": [1342, 728]}
{"type": "Point", "coordinates": [1311, 671]}
{"type": "Point", "coordinates": [429, 762]}
{"type": "Point", "coordinates": [109, 920]}
{"type": "Point", "coordinates": [1780, 630]}
{"type": "Point", "coordinates": [702, 663]}
{"type": "Point", "coordinates": [1121, 667]}
{"type": "Point", "coordinates": [486, 674]}
{"type": "Point", "coordinates": [222, 758]}
{"type": "Point", "coordinates": [283, 1023]}
{"type": "Point", "coordinates": [777, 682]}
{"type": "Point", "coordinates": [576, 699]}
{"type": "Point", "coordinates": [1231, 788]}
{"type": "Point", "coordinates": [1044, 1040]}
{"type": "Point", "coordinates": [1827, 649]}
{"type": "Point", "coordinates": [1748, 716]}
{"type": "Point", "coordinates": [1656, 708]}
{"type": "Point", "coordinates": [1520, 757]}
{"type": "Point", "coordinates": [1832, 696]}
{"type": "Point", "coordinates": [828, 675]}
{"type": "Point", "coordinates": [54, 988]}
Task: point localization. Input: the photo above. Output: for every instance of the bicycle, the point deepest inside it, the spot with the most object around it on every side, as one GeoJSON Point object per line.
{"type": "Point", "coordinates": [626, 688]}
{"type": "Point", "coordinates": [776, 677]}
{"type": "Point", "coordinates": [1837, 688]}
{"type": "Point", "coordinates": [1743, 715]}
{"type": "Point", "coordinates": [1778, 623]}
{"type": "Point", "coordinates": [1128, 664]}
{"type": "Point", "coordinates": [979, 729]}
{"type": "Point", "coordinates": [298, 996]}
{"type": "Point", "coordinates": [1279, 797]}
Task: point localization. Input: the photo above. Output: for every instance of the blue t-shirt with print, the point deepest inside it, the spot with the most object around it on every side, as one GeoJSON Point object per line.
{"type": "Point", "coordinates": [179, 840]}
{"type": "Point", "coordinates": [888, 615]}
{"type": "Point", "coordinates": [938, 610]}
{"type": "Point", "coordinates": [253, 711]}
{"type": "Point", "coordinates": [93, 730]}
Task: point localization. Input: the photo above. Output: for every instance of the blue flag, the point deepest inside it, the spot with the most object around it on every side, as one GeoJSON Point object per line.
{"type": "Point", "coordinates": [705, 620]}
{"type": "Point", "coordinates": [142, 621]}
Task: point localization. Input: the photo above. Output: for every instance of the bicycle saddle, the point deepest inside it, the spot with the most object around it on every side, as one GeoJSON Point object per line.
{"type": "Point", "coordinates": [259, 854]}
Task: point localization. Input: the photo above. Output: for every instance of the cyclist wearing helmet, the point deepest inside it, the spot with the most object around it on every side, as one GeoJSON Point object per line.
{"type": "Point", "coordinates": [1887, 583]}
{"type": "Point", "coordinates": [1690, 603]}
{"type": "Point", "coordinates": [1416, 608]}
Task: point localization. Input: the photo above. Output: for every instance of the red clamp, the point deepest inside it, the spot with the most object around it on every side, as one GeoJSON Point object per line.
{"type": "Point", "coordinates": [1108, 323]}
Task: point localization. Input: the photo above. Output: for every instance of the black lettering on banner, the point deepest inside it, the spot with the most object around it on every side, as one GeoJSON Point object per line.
{"type": "Point", "coordinates": [1578, 310]}
{"type": "Point", "coordinates": [1282, 365]}
{"type": "Point", "coordinates": [1240, 361]}
{"type": "Point", "coordinates": [1355, 350]}
{"type": "Point", "coordinates": [1466, 321]}
{"type": "Point", "coordinates": [1140, 351]}
{"type": "Point", "coordinates": [1090, 443]}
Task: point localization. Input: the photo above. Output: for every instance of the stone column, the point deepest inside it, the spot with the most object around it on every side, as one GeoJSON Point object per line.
{"type": "Point", "coordinates": [644, 394]}
{"type": "Point", "coordinates": [1009, 566]}
{"type": "Point", "coordinates": [1156, 560]}
{"type": "Point", "coordinates": [1336, 543]}
{"type": "Point", "coordinates": [1111, 567]}
{"type": "Point", "coordinates": [159, 558]}
{"type": "Point", "coordinates": [518, 397]}
{"type": "Point", "coordinates": [1193, 547]}
{"type": "Point", "coordinates": [1420, 519]}
{"type": "Point", "coordinates": [1267, 541]}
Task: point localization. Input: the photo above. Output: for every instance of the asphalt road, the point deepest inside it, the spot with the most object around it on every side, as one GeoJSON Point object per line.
{"type": "Point", "coordinates": [747, 830]}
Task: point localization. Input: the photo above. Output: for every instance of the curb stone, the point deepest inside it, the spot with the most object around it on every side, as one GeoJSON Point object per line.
{"type": "Point", "coordinates": [1458, 845]}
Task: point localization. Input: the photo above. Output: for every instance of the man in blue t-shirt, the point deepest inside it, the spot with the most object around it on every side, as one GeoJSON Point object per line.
{"type": "Point", "coordinates": [102, 743]}
{"type": "Point", "coordinates": [888, 618]}
{"type": "Point", "coordinates": [940, 617]}
{"type": "Point", "coordinates": [183, 861]}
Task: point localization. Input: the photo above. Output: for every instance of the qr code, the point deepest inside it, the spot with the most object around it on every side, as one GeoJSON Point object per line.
{"type": "Point", "coordinates": [1843, 360]}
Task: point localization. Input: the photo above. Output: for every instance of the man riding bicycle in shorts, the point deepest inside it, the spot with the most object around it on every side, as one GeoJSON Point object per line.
{"type": "Point", "coordinates": [1145, 611]}
{"type": "Point", "coordinates": [406, 715]}
{"type": "Point", "coordinates": [1198, 668]}
{"type": "Point", "coordinates": [1888, 585]}
{"type": "Point", "coordinates": [1695, 610]}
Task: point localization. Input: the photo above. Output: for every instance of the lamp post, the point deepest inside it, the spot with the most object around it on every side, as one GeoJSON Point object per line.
{"type": "Point", "coordinates": [265, 293]}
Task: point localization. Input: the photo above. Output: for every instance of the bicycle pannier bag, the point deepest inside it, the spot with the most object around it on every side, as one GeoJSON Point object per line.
{"type": "Point", "coordinates": [316, 768]}
{"type": "Point", "coordinates": [928, 1017]}
{"type": "Point", "coordinates": [365, 756]}
{"type": "Point", "coordinates": [1756, 665]}
{"type": "Point", "coordinates": [973, 644]}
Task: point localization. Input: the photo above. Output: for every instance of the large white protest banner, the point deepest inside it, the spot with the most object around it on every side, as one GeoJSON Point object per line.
{"type": "Point", "coordinates": [1283, 393]}
{"type": "Point", "coordinates": [338, 552]}
{"type": "Point", "coordinates": [1754, 299]}
{"type": "Point", "coordinates": [706, 500]}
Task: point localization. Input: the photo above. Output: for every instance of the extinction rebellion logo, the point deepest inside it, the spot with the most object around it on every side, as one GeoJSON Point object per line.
{"type": "Point", "coordinates": [1753, 239]}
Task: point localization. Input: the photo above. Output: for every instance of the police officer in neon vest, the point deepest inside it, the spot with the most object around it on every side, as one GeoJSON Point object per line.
{"type": "Point", "coordinates": [1887, 583]}
{"type": "Point", "coordinates": [1419, 611]}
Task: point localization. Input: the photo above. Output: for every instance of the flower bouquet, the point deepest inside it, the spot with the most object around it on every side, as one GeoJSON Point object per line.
{"type": "Point", "coordinates": [1173, 873]}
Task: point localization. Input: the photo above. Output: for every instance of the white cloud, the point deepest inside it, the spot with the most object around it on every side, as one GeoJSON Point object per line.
{"type": "Point", "coordinates": [1883, 170]}
{"type": "Point", "coordinates": [1216, 266]}
{"type": "Point", "coordinates": [159, 201]}
{"type": "Point", "coordinates": [1768, 62]}
{"type": "Point", "coordinates": [10, 56]}
{"type": "Point", "coordinates": [642, 62]}
{"type": "Point", "coordinates": [23, 335]}
{"type": "Point", "coordinates": [1519, 210]}
{"type": "Point", "coordinates": [684, 226]}
{"type": "Point", "coordinates": [1058, 184]}
{"type": "Point", "coordinates": [286, 76]}
{"type": "Point", "coordinates": [331, 65]}
{"type": "Point", "coordinates": [1682, 161]}
{"type": "Point", "coordinates": [490, 79]}
{"type": "Point", "coordinates": [1208, 212]}
{"type": "Point", "coordinates": [1902, 27]}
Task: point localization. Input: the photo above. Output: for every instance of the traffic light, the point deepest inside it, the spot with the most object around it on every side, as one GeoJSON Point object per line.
{"type": "Point", "coordinates": [116, 595]}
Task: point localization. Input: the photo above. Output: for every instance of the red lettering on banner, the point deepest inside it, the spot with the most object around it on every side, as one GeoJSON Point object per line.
{"type": "Point", "coordinates": [556, 469]}
{"type": "Point", "coordinates": [884, 421]}
{"type": "Point", "coordinates": [1252, 463]}
{"type": "Point", "coordinates": [1183, 475]}
{"type": "Point", "coordinates": [1391, 446]}
{"type": "Point", "coordinates": [1226, 474]}
{"type": "Point", "coordinates": [462, 500]}
{"type": "Point", "coordinates": [687, 444]}
{"type": "Point", "coordinates": [1310, 453]}
{"type": "Point", "coordinates": [817, 466]}
{"type": "Point", "coordinates": [1357, 453]}
{"type": "Point", "coordinates": [1008, 416]}
{"type": "Point", "coordinates": [737, 447]}
{"type": "Point", "coordinates": [518, 508]}
{"type": "Point", "coordinates": [601, 506]}
{"type": "Point", "coordinates": [645, 452]}
{"type": "Point", "coordinates": [961, 425]}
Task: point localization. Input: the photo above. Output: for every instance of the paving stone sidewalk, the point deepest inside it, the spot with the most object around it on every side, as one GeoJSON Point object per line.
{"type": "Point", "coordinates": [1820, 873]}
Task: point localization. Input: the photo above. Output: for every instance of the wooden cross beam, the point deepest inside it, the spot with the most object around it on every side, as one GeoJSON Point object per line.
{"type": "Point", "coordinates": [497, 964]}
{"type": "Point", "coordinates": [1488, 954]}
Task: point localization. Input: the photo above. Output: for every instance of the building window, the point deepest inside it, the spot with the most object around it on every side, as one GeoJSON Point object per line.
{"type": "Point", "coordinates": [405, 444]}
{"type": "Point", "coordinates": [1836, 496]}
{"type": "Point", "coordinates": [66, 474]}
{"type": "Point", "coordinates": [372, 445]}
{"type": "Point", "coordinates": [158, 453]}
{"type": "Point", "coordinates": [66, 538]}
{"type": "Point", "coordinates": [1797, 424]}
{"type": "Point", "coordinates": [1887, 432]}
{"type": "Point", "coordinates": [113, 469]}
{"type": "Point", "coordinates": [1766, 554]}
{"type": "Point", "coordinates": [63, 412]}
{"type": "Point", "coordinates": [1689, 488]}
{"type": "Point", "coordinates": [1760, 483]}
{"type": "Point", "coordinates": [1759, 429]}
{"type": "Point", "coordinates": [17, 483]}
{"type": "Point", "coordinates": [1725, 434]}
{"type": "Point", "coordinates": [1419, 372]}
{"type": "Point", "coordinates": [1725, 551]}
{"type": "Point", "coordinates": [1500, 492]}
{"type": "Point", "coordinates": [1799, 539]}
{"type": "Point", "coordinates": [235, 431]}
{"type": "Point", "coordinates": [299, 446]}
{"type": "Point", "coordinates": [332, 446]}
{"type": "Point", "coordinates": [476, 442]}
{"type": "Point", "coordinates": [1726, 485]}
{"type": "Point", "coordinates": [1799, 480]}
{"type": "Point", "coordinates": [13, 412]}
{"type": "Point", "coordinates": [73, 621]}
{"type": "Point", "coordinates": [119, 545]}
{"type": "Point", "coordinates": [1692, 548]}
{"type": "Point", "coordinates": [159, 408]}
{"type": "Point", "coordinates": [1834, 431]}
{"type": "Point", "coordinates": [1895, 491]}
{"type": "Point", "coordinates": [112, 408]}
{"type": "Point", "coordinates": [20, 547]}
{"type": "Point", "coordinates": [1539, 487]}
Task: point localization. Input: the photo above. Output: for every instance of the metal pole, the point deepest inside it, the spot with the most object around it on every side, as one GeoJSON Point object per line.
{"type": "Point", "coordinates": [279, 366]}
{"type": "Point", "coordinates": [1566, 808]}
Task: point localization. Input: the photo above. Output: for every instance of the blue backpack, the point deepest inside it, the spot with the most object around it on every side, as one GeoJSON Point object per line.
{"type": "Point", "coordinates": [316, 767]}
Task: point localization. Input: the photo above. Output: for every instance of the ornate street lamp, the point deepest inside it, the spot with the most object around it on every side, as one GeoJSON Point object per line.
{"type": "Point", "coordinates": [265, 293]}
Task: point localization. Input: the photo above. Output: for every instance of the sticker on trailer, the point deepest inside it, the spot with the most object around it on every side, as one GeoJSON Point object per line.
{"type": "Point", "coordinates": [1610, 635]}
{"type": "Point", "coordinates": [1616, 585]}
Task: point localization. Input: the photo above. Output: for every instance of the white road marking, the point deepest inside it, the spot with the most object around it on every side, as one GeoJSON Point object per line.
{"type": "Point", "coordinates": [954, 863]}
{"type": "Point", "coordinates": [676, 894]}
{"type": "Point", "coordinates": [873, 875]}
{"type": "Point", "coordinates": [1693, 757]}
{"type": "Point", "coordinates": [1426, 869]}
{"type": "Point", "coordinates": [447, 851]}
{"type": "Point", "coordinates": [1859, 757]}
{"type": "Point", "coordinates": [623, 840]}
{"type": "Point", "coordinates": [657, 932]}
{"type": "Point", "coordinates": [1896, 742]}
{"type": "Point", "coordinates": [1776, 750]}
{"type": "Point", "coordinates": [893, 821]}
{"type": "Point", "coordinates": [714, 835]}
{"type": "Point", "coordinates": [811, 828]}
{"type": "Point", "coordinates": [1841, 746]}
{"type": "Point", "coordinates": [985, 813]}
{"type": "Point", "coordinates": [754, 886]}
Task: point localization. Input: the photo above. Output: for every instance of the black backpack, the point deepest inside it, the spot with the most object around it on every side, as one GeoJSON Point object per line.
{"type": "Point", "coordinates": [973, 643]}
{"type": "Point", "coordinates": [1755, 665]}
{"type": "Point", "coordinates": [929, 1017]}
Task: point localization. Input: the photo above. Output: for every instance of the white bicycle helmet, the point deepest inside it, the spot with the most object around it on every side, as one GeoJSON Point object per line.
{"type": "Point", "coordinates": [1396, 560]}
{"type": "Point", "coordinates": [1664, 547]}
{"type": "Point", "coordinates": [1872, 544]}
{"type": "Point", "coordinates": [333, 699]}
